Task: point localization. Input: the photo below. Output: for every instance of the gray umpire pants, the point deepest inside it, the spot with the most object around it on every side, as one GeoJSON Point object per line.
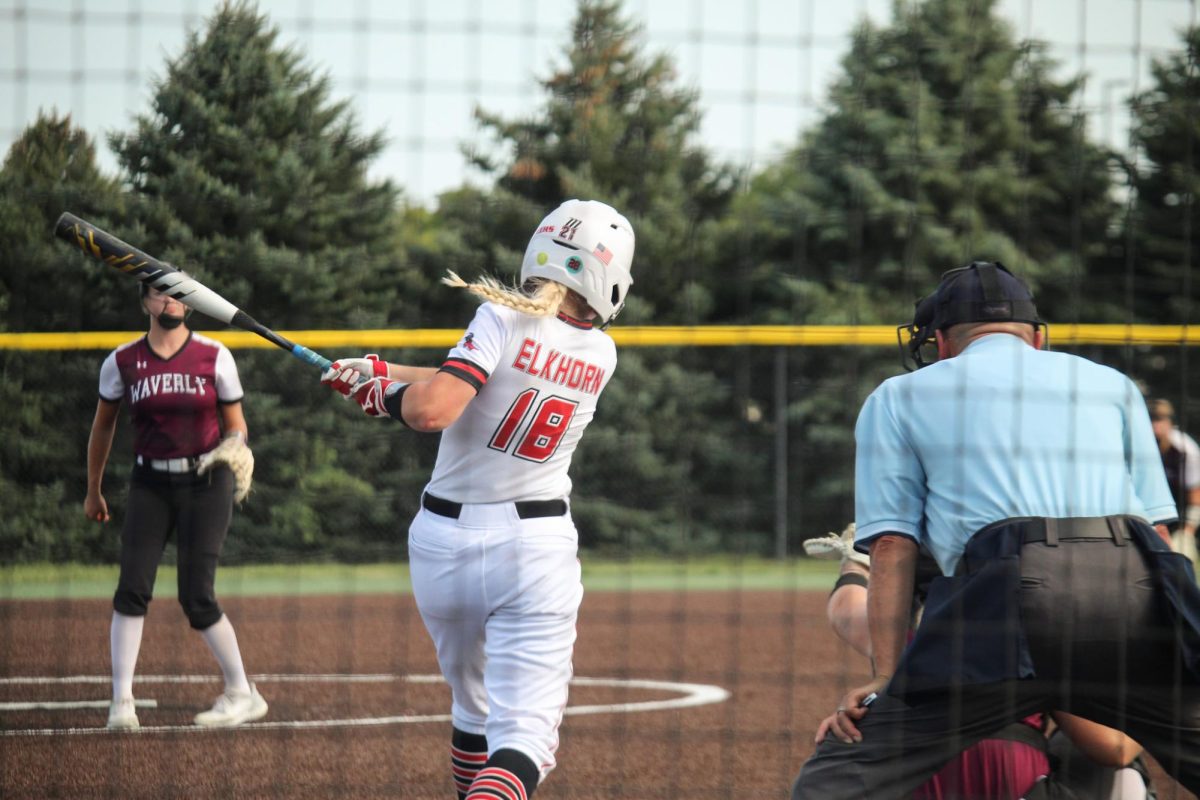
{"type": "Point", "coordinates": [1102, 649]}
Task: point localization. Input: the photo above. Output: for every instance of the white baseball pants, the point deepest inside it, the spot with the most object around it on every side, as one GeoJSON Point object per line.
{"type": "Point", "coordinates": [500, 596]}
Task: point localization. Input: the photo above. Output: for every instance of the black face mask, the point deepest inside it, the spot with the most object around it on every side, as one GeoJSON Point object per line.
{"type": "Point", "coordinates": [169, 322]}
{"type": "Point", "coordinates": [982, 291]}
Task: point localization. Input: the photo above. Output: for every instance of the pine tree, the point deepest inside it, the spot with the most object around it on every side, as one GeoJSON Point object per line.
{"type": "Point", "coordinates": [46, 286]}
{"type": "Point", "coordinates": [1165, 228]}
{"type": "Point", "coordinates": [1156, 279]}
{"type": "Point", "coordinates": [614, 126]}
{"type": "Point", "coordinates": [50, 169]}
{"type": "Point", "coordinates": [249, 174]}
{"type": "Point", "coordinates": [256, 177]}
{"type": "Point", "coordinates": [945, 141]}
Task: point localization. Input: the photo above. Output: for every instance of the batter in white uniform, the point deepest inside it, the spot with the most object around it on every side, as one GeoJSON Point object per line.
{"type": "Point", "coordinates": [493, 549]}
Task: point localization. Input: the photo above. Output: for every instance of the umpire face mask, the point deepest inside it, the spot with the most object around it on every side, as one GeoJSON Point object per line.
{"type": "Point", "coordinates": [982, 291]}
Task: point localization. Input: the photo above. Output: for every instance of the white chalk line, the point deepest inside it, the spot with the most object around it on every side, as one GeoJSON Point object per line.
{"type": "Point", "coordinates": [62, 705]}
{"type": "Point", "coordinates": [106, 679]}
{"type": "Point", "coordinates": [692, 695]}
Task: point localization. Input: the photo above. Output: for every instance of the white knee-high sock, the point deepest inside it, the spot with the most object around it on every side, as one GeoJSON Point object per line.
{"type": "Point", "coordinates": [125, 639]}
{"type": "Point", "coordinates": [223, 643]}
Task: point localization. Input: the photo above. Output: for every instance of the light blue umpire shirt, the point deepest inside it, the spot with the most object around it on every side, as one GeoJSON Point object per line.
{"type": "Point", "coordinates": [1000, 431]}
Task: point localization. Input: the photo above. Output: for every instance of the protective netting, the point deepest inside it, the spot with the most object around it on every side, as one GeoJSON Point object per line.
{"type": "Point", "coordinates": [798, 174]}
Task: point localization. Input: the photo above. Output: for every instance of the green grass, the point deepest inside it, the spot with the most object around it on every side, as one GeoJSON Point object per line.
{"type": "Point", "coordinates": [77, 581]}
{"type": "Point", "coordinates": [720, 573]}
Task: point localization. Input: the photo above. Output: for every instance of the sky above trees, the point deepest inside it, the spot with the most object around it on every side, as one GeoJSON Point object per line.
{"type": "Point", "coordinates": [416, 70]}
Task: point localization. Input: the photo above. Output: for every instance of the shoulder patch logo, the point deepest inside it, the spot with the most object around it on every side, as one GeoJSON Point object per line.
{"type": "Point", "coordinates": [469, 341]}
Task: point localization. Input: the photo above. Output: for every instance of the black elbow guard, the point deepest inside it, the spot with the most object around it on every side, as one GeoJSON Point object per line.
{"type": "Point", "coordinates": [393, 401]}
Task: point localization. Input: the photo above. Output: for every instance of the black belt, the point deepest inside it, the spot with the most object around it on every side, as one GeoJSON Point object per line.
{"type": "Point", "coordinates": [526, 509]}
{"type": "Point", "coordinates": [1052, 531]}
{"type": "Point", "coordinates": [1042, 530]}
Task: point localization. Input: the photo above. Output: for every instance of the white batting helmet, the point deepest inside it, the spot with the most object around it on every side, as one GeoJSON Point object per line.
{"type": "Point", "coordinates": [586, 246]}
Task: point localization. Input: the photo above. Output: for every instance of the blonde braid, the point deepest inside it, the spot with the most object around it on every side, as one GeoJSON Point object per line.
{"type": "Point", "coordinates": [544, 302]}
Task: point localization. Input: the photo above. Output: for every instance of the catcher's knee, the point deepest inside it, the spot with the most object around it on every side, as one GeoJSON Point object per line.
{"type": "Point", "coordinates": [130, 603]}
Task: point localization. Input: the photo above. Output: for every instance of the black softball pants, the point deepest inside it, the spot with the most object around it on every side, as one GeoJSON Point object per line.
{"type": "Point", "coordinates": [198, 509]}
{"type": "Point", "coordinates": [1103, 649]}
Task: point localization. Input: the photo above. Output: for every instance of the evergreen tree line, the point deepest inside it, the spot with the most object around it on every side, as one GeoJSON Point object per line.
{"type": "Point", "coordinates": [944, 139]}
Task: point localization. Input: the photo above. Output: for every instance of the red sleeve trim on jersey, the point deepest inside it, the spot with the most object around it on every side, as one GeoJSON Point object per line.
{"type": "Point", "coordinates": [473, 374]}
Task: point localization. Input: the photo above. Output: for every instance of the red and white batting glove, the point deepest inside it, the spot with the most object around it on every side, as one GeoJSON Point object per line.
{"type": "Point", "coordinates": [371, 395]}
{"type": "Point", "coordinates": [345, 374]}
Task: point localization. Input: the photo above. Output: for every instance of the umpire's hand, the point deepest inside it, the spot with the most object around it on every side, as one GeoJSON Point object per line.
{"type": "Point", "coordinates": [849, 711]}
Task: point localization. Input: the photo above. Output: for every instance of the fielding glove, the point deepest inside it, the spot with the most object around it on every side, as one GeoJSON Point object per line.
{"type": "Point", "coordinates": [233, 452]}
{"type": "Point", "coordinates": [837, 546]}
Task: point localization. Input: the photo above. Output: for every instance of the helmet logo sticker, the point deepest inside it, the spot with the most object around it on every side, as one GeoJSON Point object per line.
{"type": "Point", "coordinates": [574, 264]}
{"type": "Point", "coordinates": [569, 229]}
{"type": "Point", "coordinates": [545, 229]}
{"type": "Point", "coordinates": [542, 258]}
{"type": "Point", "coordinates": [603, 253]}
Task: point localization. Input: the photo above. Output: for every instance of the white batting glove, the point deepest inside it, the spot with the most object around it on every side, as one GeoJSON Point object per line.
{"type": "Point", "coordinates": [345, 374]}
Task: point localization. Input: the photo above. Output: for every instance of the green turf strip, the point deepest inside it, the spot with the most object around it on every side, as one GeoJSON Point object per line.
{"type": "Point", "coordinates": [76, 581]}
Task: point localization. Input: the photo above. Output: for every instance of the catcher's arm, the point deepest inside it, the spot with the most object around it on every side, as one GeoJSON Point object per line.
{"type": "Point", "coordinates": [1191, 515]}
{"type": "Point", "coordinates": [1106, 746]}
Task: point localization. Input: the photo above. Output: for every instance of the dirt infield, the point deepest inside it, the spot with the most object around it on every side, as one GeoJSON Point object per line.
{"type": "Point", "coordinates": [342, 675]}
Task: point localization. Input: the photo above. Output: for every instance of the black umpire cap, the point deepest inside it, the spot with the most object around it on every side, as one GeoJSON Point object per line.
{"type": "Point", "coordinates": [982, 291]}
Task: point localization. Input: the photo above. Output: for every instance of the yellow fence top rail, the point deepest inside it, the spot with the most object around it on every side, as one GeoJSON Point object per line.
{"type": "Point", "coordinates": [657, 336]}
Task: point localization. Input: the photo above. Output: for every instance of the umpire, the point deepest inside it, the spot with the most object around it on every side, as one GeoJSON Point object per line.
{"type": "Point", "coordinates": [1033, 478]}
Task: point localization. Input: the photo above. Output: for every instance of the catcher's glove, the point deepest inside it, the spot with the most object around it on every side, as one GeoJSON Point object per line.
{"type": "Point", "coordinates": [833, 545]}
{"type": "Point", "coordinates": [231, 451]}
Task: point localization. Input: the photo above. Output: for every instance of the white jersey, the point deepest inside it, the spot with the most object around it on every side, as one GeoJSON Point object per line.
{"type": "Point", "coordinates": [1190, 451]}
{"type": "Point", "coordinates": [538, 380]}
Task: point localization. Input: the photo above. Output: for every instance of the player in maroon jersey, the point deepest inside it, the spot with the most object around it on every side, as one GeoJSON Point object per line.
{"type": "Point", "coordinates": [183, 391]}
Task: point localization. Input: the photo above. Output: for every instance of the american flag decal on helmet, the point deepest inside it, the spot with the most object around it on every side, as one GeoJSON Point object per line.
{"type": "Point", "coordinates": [603, 253]}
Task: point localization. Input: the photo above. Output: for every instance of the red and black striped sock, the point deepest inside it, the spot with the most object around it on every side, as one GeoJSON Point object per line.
{"type": "Point", "coordinates": [468, 754]}
{"type": "Point", "coordinates": [508, 775]}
